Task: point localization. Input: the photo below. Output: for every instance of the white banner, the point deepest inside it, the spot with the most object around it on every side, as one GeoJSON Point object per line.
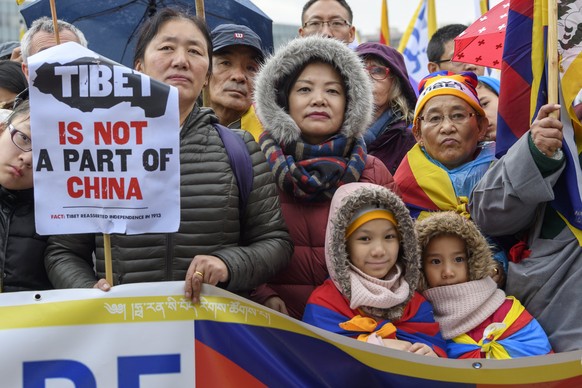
{"type": "Point", "coordinates": [105, 145]}
{"type": "Point", "coordinates": [147, 335]}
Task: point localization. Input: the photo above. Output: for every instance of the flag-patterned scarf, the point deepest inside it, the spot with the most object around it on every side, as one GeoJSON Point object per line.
{"type": "Point", "coordinates": [314, 172]}
{"type": "Point", "coordinates": [428, 187]}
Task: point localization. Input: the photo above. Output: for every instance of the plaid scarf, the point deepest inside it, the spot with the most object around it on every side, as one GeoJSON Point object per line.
{"type": "Point", "coordinates": [314, 172]}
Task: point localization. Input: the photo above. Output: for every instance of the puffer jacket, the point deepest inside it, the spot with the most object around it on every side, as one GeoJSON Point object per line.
{"type": "Point", "coordinates": [22, 249]}
{"type": "Point", "coordinates": [307, 220]}
{"type": "Point", "coordinates": [209, 224]}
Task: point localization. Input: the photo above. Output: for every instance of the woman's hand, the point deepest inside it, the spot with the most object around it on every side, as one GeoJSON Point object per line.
{"type": "Point", "coordinates": [204, 269]}
{"type": "Point", "coordinates": [102, 285]}
{"type": "Point", "coordinates": [276, 304]}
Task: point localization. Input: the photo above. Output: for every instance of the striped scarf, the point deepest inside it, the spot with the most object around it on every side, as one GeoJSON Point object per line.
{"type": "Point", "coordinates": [314, 172]}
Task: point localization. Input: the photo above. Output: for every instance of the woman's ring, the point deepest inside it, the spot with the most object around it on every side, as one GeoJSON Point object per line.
{"type": "Point", "coordinates": [199, 274]}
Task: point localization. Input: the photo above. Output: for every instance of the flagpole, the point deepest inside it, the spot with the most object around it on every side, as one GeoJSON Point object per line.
{"type": "Point", "coordinates": [552, 46]}
{"type": "Point", "coordinates": [202, 15]}
{"type": "Point", "coordinates": [55, 24]}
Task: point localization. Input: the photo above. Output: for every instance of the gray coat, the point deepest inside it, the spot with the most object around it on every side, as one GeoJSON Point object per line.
{"type": "Point", "coordinates": [511, 198]}
{"type": "Point", "coordinates": [209, 224]}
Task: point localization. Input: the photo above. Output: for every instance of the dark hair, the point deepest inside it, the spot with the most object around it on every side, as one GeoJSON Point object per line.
{"type": "Point", "coordinates": [283, 88]}
{"type": "Point", "coordinates": [436, 45]}
{"type": "Point", "coordinates": [343, 3]}
{"type": "Point", "coordinates": [11, 76]}
{"type": "Point", "coordinates": [23, 109]}
{"type": "Point", "coordinates": [152, 25]}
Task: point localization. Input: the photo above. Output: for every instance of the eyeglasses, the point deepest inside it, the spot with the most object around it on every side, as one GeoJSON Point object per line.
{"type": "Point", "coordinates": [19, 139]}
{"type": "Point", "coordinates": [450, 61]}
{"type": "Point", "coordinates": [334, 24]}
{"type": "Point", "coordinates": [378, 72]}
{"type": "Point", "coordinates": [436, 120]}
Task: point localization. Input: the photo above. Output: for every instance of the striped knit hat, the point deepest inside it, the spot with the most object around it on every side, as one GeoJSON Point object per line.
{"type": "Point", "coordinates": [462, 85]}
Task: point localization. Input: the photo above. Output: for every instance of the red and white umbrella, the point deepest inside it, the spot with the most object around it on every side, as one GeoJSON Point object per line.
{"type": "Point", "coordinates": [482, 42]}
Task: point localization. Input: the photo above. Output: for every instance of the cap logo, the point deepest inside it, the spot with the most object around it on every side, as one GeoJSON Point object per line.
{"type": "Point", "coordinates": [239, 35]}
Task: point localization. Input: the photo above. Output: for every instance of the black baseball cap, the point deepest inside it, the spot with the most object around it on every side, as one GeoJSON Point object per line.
{"type": "Point", "coordinates": [6, 49]}
{"type": "Point", "coordinates": [226, 35]}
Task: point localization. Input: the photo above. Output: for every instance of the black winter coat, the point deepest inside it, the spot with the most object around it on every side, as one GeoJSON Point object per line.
{"type": "Point", "coordinates": [210, 224]}
{"type": "Point", "coordinates": [22, 253]}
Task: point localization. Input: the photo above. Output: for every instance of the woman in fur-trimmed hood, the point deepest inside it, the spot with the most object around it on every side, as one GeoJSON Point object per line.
{"type": "Point", "coordinates": [373, 274]}
{"type": "Point", "coordinates": [477, 319]}
{"type": "Point", "coordinates": [314, 99]}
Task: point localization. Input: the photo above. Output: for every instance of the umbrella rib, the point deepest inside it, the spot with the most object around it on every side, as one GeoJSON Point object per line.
{"type": "Point", "coordinates": [133, 34]}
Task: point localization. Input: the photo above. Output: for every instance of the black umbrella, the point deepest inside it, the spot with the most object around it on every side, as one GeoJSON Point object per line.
{"type": "Point", "coordinates": [111, 26]}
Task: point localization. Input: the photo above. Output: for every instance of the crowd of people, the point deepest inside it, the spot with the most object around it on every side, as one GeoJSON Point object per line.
{"type": "Point", "coordinates": [377, 211]}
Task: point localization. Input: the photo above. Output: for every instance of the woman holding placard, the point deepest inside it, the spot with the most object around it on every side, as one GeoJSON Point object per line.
{"type": "Point", "coordinates": [216, 242]}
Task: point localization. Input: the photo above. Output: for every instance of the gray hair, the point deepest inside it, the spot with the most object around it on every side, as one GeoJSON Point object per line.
{"type": "Point", "coordinates": [45, 24]}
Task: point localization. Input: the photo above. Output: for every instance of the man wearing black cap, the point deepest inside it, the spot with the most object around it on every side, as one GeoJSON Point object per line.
{"type": "Point", "coordinates": [7, 48]}
{"type": "Point", "coordinates": [236, 58]}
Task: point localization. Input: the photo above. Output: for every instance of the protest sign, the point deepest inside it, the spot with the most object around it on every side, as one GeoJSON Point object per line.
{"type": "Point", "coordinates": [105, 145]}
{"type": "Point", "coordinates": [148, 335]}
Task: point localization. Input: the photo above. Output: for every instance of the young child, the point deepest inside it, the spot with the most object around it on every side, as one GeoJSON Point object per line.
{"type": "Point", "coordinates": [477, 319]}
{"type": "Point", "coordinates": [22, 252]}
{"type": "Point", "coordinates": [374, 268]}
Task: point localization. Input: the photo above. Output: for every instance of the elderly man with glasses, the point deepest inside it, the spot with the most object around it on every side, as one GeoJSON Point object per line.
{"type": "Point", "coordinates": [330, 18]}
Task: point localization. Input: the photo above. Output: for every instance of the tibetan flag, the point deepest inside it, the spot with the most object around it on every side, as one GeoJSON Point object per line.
{"type": "Point", "coordinates": [568, 189]}
{"type": "Point", "coordinates": [523, 74]}
{"type": "Point", "coordinates": [523, 91]}
{"type": "Point", "coordinates": [415, 39]}
{"type": "Point", "coordinates": [384, 26]}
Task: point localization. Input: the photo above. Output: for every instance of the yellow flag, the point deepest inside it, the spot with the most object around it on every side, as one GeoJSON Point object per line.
{"type": "Point", "coordinates": [384, 27]}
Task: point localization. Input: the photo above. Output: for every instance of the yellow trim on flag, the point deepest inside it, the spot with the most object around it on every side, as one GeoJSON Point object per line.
{"type": "Point", "coordinates": [484, 6]}
{"type": "Point", "coordinates": [409, 28]}
{"type": "Point", "coordinates": [432, 18]}
{"type": "Point", "coordinates": [384, 25]}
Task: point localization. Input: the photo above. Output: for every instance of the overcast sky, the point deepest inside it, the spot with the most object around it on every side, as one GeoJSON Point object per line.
{"type": "Point", "coordinates": [367, 12]}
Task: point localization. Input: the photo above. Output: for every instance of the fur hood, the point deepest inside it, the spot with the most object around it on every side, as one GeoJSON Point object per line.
{"type": "Point", "coordinates": [292, 57]}
{"type": "Point", "coordinates": [347, 200]}
{"type": "Point", "coordinates": [480, 257]}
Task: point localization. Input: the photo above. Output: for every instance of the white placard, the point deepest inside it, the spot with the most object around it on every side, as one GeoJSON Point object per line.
{"type": "Point", "coordinates": [105, 146]}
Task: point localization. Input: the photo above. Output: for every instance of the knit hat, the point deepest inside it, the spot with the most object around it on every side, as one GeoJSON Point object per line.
{"type": "Point", "coordinates": [395, 62]}
{"type": "Point", "coordinates": [462, 85]}
{"type": "Point", "coordinates": [493, 83]}
{"type": "Point", "coordinates": [367, 214]}
{"type": "Point", "coordinates": [479, 256]}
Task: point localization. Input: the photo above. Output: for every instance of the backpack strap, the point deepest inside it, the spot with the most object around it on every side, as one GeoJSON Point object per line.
{"type": "Point", "coordinates": [240, 162]}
